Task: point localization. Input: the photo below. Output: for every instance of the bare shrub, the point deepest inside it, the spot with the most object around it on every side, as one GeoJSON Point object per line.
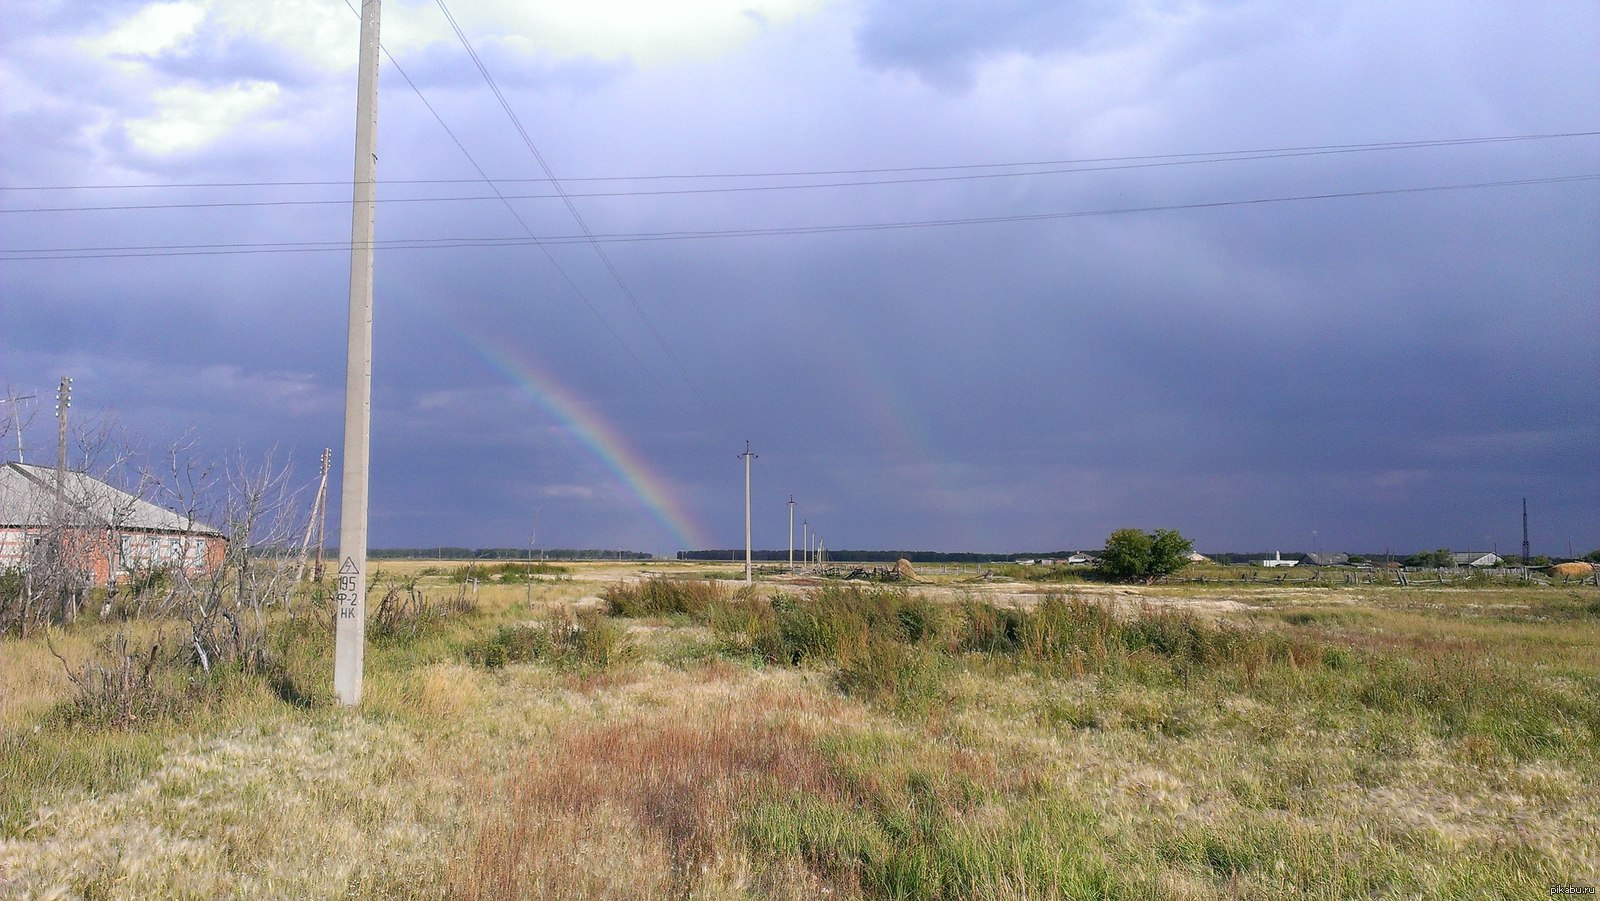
{"type": "Point", "coordinates": [115, 686]}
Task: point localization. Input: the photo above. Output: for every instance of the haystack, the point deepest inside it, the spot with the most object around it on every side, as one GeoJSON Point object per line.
{"type": "Point", "coordinates": [1577, 569]}
{"type": "Point", "coordinates": [903, 567]}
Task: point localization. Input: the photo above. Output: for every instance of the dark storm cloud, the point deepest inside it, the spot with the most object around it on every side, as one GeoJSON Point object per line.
{"type": "Point", "coordinates": [1387, 371]}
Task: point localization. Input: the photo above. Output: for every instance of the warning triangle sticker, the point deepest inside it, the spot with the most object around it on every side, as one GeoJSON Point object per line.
{"type": "Point", "coordinates": [348, 567]}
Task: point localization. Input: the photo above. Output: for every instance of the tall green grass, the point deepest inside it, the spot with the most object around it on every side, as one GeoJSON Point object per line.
{"type": "Point", "coordinates": [896, 648]}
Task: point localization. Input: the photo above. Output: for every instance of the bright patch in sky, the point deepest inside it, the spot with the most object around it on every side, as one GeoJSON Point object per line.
{"type": "Point", "coordinates": [192, 117]}
{"type": "Point", "coordinates": [324, 34]}
{"type": "Point", "coordinates": [643, 30]}
{"type": "Point", "coordinates": [151, 31]}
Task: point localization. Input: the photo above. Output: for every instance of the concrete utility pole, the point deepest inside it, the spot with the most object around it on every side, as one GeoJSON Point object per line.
{"type": "Point", "coordinates": [350, 640]}
{"type": "Point", "coordinates": [805, 543]}
{"type": "Point", "coordinates": [791, 533]}
{"type": "Point", "coordinates": [63, 401]}
{"type": "Point", "coordinates": [58, 520]}
{"type": "Point", "coordinates": [748, 576]}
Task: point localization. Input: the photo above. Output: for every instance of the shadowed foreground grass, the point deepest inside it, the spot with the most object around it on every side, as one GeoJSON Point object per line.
{"type": "Point", "coordinates": [707, 742]}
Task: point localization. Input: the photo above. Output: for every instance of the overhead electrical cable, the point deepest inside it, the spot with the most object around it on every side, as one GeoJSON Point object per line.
{"type": "Point", "coordinates": [572, 208]}
{"type": "Point", "coordinates": [505, 198]}
{"type": "Point", "coordinates": [520, 221]}
{"type": "Point", "coordinates": [777, 231]}
{"type": "Point", "coordinates": [1175, 159]}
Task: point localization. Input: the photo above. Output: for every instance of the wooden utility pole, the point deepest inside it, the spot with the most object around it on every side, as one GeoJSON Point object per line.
{"type": "Point", "coordinates": [16, 419]}
{"type": "Point", "coordinates": [316, 523]}
{"type": "Point", "coordinates": [350, 639]}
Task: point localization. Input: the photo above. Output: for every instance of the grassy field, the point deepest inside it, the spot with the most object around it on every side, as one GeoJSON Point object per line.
{"type": "Point", "coordinates": [651, 731]}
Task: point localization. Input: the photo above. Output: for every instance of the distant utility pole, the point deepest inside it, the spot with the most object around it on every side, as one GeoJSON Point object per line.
{"type": "Point", "coordinates": [322, 513]}
{"type": "Point", "coordinates": [58, 523]}
{"type": "Point", "coordinates": [748, 456]}
{"type": "Point", "coordinates": [533, 537]}
{"type": "Point", "coordinates": [350, 641]}
{"type": "Point", "coordinates": [1525, 556]}
{"type": "Point", "coordinates": [805, 543]}
{"type": "Point", "coordinates": [63, 401]}
{"type": "Point", "coordinates": [16, 421]}
{"type": "Point", "coordinates": [791, 533]}
{"type": "Point", "coordinates": [318, 512]}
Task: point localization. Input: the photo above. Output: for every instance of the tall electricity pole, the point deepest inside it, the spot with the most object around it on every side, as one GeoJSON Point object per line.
{"type": "Point", "coordinates": [791, 533]}
{"type": "Point", "coordinates": [805, 543]}
{"type": "Point", "coordinates": [748, 456]}
{"type": "Point", "coordinates": [1526, 560]}
{"type": "Point", "coordinates": [350, 640]}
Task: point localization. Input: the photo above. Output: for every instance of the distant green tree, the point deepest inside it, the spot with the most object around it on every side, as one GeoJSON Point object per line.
{"type": "Point", "coordinates": [1430, 559]}
{"type": "Point", "coordinates": [1592, 556]}
{"type": "Point", "coordinates": [1132, 555]}
{"type": "Point", "coordinates": [1511, 560]}
{"type": "Point", "coordinates": [1541, 560]}
{"type": "Point", "coordinates": [1359, 558]}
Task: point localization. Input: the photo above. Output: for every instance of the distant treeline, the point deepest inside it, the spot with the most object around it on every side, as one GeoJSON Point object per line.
{"type": "Point", "coordinates": [875, 556]}
{"type": "Point", "coordinates": [503, 553]}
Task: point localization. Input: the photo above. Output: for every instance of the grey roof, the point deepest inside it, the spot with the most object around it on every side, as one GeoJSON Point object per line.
{"type": "Point", "coordinates": [28, 498]}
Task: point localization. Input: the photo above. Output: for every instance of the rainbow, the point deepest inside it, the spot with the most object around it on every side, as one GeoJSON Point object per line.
{"type": "Point", "coordinates": [595, 434]}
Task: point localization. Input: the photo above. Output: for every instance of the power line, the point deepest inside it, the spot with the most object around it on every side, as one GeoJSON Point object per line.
{"type": "Point", "coordinates": [666, 192]}
{"type": "Point", "coordinates": [512, 210]}
{"type": "Point", "coordinates": [1177, 158]}
{"type": "Point", "coordinates": [780, 231]}
{"type": "Point", "coordinates": [572, 208]}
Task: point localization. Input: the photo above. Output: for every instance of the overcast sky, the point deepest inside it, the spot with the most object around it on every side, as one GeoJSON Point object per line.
{"type": "Point", "coordinates": [1155, 269]}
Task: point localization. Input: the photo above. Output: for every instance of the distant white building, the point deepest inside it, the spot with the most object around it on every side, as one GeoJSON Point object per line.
{"type": "Point", "coordinates": [1197, 557]}
{"type": "Point", "coordinates": [1475, 558]}
{"type": "Point", "coordinates": [1327, 559]}
{"type": "Point", "coordinates": [1277, 560]}
{"type": "Point", "coordinates": [1082, 559]}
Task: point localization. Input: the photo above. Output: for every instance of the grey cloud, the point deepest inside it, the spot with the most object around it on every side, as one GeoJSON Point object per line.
{"type": "Point", "coordinates": [943, 40]}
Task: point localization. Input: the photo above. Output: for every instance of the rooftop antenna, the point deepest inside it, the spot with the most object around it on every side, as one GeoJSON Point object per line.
{"type": "Point", "coordinates": [791, 533]}
{"type": "Point", "coordinates": [748, 456]}
{"type": "Point", "coordinates": [1526, 559]}
{"type": "Point", "coordinates": [350, 639]}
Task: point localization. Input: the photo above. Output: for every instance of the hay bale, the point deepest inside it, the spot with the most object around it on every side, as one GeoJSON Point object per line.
{"type": "Point", "coordinates": [1577, 569]}
{"type": "Point", "coordinates": [903, 567]}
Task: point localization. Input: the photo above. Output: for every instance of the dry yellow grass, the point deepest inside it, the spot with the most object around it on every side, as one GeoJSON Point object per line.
{"type": "Point", "coordinates": [684, 772]}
